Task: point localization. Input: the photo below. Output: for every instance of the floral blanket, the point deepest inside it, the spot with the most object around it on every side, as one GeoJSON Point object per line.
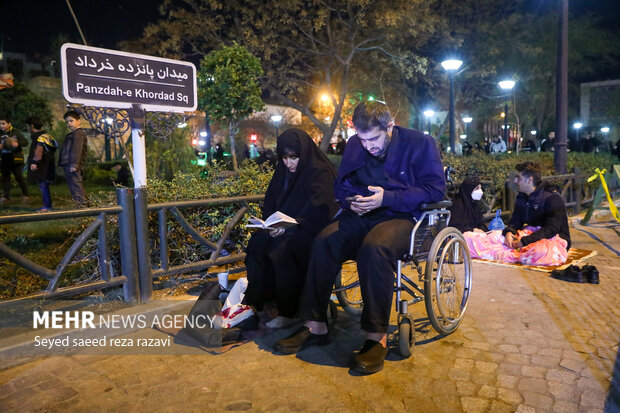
{"type": "Point", "coordinates": [490, 246]}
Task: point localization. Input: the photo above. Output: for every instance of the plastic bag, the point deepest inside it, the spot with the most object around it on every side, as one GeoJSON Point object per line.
{"type": "Point", "coordinates": [233, 312]}
{"type": "Point", "coordinates": [497, 223]}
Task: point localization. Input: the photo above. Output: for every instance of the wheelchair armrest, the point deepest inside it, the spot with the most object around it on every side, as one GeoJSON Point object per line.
{"type": "Point", "coordinates": [446, 203]}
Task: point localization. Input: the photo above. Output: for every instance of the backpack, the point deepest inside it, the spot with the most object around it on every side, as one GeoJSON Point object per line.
{"type": "Point", "coordinates": [497, 223]}
{"type": "Point", "coordinates": [49, 143]}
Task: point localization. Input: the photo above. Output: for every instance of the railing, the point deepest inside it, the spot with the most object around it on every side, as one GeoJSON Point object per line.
{"type": "Point", "coordinates": [127, 240]}
{"type": "Point", "coordinates": [174, 208]}
{"type": "Point", "coordinates": [135, 249]}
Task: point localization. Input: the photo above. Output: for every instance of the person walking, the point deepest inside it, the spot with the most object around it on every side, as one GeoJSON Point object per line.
{"type": "Point", "coordinates": [73, 157]}
{"type": "Point", "coordinates": [41, 160]}
{"type": "Point", "coordinates": [11, 143]}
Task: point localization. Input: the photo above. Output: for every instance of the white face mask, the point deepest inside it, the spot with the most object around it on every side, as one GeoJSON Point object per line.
{"type": "Point", "coordinates": [476, 194]}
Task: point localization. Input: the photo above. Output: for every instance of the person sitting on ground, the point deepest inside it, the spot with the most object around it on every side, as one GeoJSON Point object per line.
{"type": "Point", "coordinates": [465, 213]}
{"type": "Point", "coordinates": [277, 261]}
{"type": "Point", "coordinates": [538, 232]}
{"type": "Point", "coordinates": [386, 173]}
{"type": "Point", "coordinates": [41, 165]}
{"type": "Point", "coordinates": [122, 174]}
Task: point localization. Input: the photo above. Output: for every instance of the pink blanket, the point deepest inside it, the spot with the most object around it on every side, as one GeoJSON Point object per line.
{"type": "Point", "coordinates": [490, 246]}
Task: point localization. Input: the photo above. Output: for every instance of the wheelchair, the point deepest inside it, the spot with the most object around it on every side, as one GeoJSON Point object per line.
{"type": "Point", "coordinates": [440, 256]}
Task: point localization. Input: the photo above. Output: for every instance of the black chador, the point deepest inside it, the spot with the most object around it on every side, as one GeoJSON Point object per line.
{"type": "Point", "coordinates": [277, 266]}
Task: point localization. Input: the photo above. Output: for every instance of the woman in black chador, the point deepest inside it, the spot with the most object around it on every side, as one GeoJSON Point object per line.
{"type": "Point", "coordinates": [466, 213]}
{"type": "Point", "coordinates": [277, 260]}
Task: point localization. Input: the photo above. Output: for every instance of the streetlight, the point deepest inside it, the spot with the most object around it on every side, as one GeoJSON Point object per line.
{"type": "Point", "coordinates": [451, 66]}
{"type": "Point", "coordinates": [507, 86]}
{"type": "Point", "coordinates": [276, 120]}
{"type": "Point", "coordinates": [429, 114]}
{"type": "Point", "coordinates": [577, 126]}
{"type": "Point", "coordinates": [467, 120]}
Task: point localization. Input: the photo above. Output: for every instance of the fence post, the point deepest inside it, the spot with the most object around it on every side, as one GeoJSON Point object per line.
{"type": "Point", "coordinates": [142, 234]}
{"type": "Point", "coordinates": [577, 194]}
{"type": "Point", "coordinates": [127, 234]}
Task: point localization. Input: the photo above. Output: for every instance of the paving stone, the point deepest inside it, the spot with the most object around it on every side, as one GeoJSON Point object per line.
{"type": "Point", "coordinates": [552, 352]}
{"type": "Point", "coordinates": [562, 391]}
{"type": "Point", "coordinates": [565, 406]}
{"type": "Point", "coordinates": [593, 398]}
{"type": "Point", "coordinates": [583, 348]}
{"type": "Point", "coordinates": [532, 384]}
{"type": "Point", "coordinates": [589, 383]}
{"type": "Point", "coordinates": [483, 378]}
{"type": "Point", "coordinates": [466, 388]}
{"type": "Point", "coordinates": [547, 361]}
{"type": "Point", "coordinates": [477, 346]}
{"type": "Point", "coordinates": [507, 381]}
{"type": "Point", "coordinates": [508, 348]}
{"type": "Point", "coordinates": [509, 396]}
{"type": "Point", "coordinates": [572, 364]}
{"type": "Point", "coordinates": [473, 404]}
{"type": "Point", "coordinates": [528, 349]}
{"type": "Point", "coordinates": [485, 366]}
{"type": "Point", "coordinates": [523, 408]}
{"type": "Point", "coordinates": [517, 359]}
{"type": "Point", "coordinates": [499, 407]}
{"type": "Point", "coordinates": [562, 376]}
{"type": "Point", "coordinates": [533, 371]}
{"type": "Point", "coordinates": [510, 369]}
{"type": "Point", "coordinates": [487, 392]}
{"type": "Point", "coordinates": [538, 400]}
{"type": "Point", "coordinates": [458, 374]}
{"type": "Point", "coordinates": [463, 364]}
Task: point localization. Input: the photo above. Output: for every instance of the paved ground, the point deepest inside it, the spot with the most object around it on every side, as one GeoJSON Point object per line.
{"type": "Point", "coordinates": [528, 344]}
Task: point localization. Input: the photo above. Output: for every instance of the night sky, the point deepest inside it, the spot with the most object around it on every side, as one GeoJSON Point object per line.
{"type": "Point", "coordinates": [26, 26]}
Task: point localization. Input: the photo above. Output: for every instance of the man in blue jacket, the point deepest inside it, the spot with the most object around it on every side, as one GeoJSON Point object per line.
{"type": "Point", "coordinates": [386, 173]}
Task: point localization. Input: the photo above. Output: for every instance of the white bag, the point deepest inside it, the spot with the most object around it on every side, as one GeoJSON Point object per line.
{"type": "Point", "coordinates": [233, 312]}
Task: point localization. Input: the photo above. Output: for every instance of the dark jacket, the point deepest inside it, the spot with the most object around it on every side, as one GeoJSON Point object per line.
{"type": "Point", "coordinates": [41, 154]}
{"type": "Point", "coordinates": [10, 154]}
{"type": "Point", "coordinates": [73, 151]}
{"type": "Point", "coordinates": [544, 208]}
{"type": "Point", "coordinates": [413, 168]}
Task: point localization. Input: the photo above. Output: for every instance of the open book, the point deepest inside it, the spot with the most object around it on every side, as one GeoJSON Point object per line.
{"type": "Point", "coordinates": [275, 220]}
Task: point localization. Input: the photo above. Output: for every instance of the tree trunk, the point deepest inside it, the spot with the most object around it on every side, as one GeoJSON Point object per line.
{"type": "Point", "coordinates": [233, 152]}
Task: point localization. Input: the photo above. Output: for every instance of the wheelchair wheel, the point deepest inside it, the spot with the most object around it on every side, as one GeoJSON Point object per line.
{"type": "Point", "coordinates": [349, 294]}
{"type": "Point", "coordinates": [448, 279]}
{"type": "Point", "coordinates": [406, 339]}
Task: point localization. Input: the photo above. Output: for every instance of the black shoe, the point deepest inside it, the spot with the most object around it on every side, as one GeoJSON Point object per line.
{"type": "Point", "coordinates": [301, 338]}
{"type": "Point", "coordinates": [591, 273]}
{"type": "Point", "coordinates": [571, 274]}
{"type": "Point", "coordinates": [370, 358]}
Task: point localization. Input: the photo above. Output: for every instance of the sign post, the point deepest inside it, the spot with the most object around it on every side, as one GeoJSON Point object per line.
{"type": "Point", "coordinates": [93, 76]}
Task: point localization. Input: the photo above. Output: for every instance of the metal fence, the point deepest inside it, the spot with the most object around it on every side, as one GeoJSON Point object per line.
{"type": "Point", "coordinates": [137, 273]}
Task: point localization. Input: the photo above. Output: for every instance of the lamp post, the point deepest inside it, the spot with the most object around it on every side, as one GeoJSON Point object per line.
{"type": "Point", "coordinates": [429, 114]}
{"type": "Point", "coordinates": [506, 86]}
{"type": "Point", "coordinates": [577, 126]}
{"type": "Point", "coordinates": [451, 66]}
{"type": "Point", "coordinates": [560, 157]}
{"type": "Point", "coordinates": [276, 120]}
{"type": "Point", "coordinates": [467, 120]}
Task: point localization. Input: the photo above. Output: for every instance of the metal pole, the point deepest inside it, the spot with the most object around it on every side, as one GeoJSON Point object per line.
{"type": "Point", "coordinates": [127, 238]}
{"type": "Point", "coordinates": [140, 202]}
{"type": "Point", "coordinates": [561, 98]}
{"type": "Point", "coordinates": [452, 120]}
{"type": "Point", "coordinates": [506, 119]}
{"type": "Point", "coordinates": [429, 127]}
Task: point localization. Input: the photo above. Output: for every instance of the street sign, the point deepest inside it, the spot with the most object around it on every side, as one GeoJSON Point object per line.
{"type": "Point", "coordinates": [101, 77]}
